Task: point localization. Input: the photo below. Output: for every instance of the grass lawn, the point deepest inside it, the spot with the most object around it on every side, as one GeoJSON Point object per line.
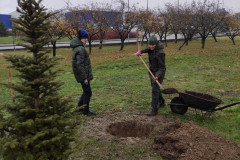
{"type": "Point", "coordinates": [9, 40]}
{"type": "Point", "coordinates": [6, 40]}
{"type": "Point", "coordinates": [121, 83]}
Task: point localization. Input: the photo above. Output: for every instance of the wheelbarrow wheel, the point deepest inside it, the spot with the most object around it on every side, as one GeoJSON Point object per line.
{"type": "Point", "coordinates": [180, 107]}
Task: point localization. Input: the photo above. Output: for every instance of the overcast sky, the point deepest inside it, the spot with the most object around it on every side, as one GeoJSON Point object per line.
{"type": "Point", "coordinates": [7, 6]}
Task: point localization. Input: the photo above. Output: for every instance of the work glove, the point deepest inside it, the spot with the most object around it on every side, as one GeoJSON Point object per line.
{"type": "Point", "coordinates": [154, 79]}
{"type": "Point", "coordinates": [138, 53]}
{"type": "Point", "coordinates": [85, 82]}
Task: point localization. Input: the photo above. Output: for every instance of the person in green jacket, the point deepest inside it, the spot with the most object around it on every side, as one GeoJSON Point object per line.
{"type": "Point", "coordinates": [82, 69]}
{"type": "Point", "coordinates": [157, 66]}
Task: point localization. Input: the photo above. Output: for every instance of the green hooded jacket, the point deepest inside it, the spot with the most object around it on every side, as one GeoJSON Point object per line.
{"type": "Point", "coordinates": [81, 63]}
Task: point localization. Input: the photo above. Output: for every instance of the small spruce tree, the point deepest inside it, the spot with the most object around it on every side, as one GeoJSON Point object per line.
{"type": "Point", "coordinates": [41, 123]}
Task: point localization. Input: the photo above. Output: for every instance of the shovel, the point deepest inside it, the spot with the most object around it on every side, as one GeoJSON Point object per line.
{"type": "Point", "coordinates": [165, 91]}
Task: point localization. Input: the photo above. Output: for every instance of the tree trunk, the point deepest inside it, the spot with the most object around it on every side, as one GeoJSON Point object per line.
{"type": "Point", "coordinates": [54, 48]}
{"type": "Point", "coordinates": [161, 37]}
{"type": "Point", "coordinates": [36, 104]}
{"type": "Point", "coordinates": [145, 35]}
{"type": "Point", "coordinates": [90, 46]}
{"type": "Point", "coordinates": [100, 44]}
{"type": "Point", "coordinates": [233, 41]}
{"type": "Point", "coordinates": [122, 44]}
{"type": "Point", "coordinates": [176, 38]}
{"type": "Point", "coordinates": [214, 36]}
{"type": "Point", "coordinates": [190, 36]}
{"type": "Point", "coordinates": [203, 42]}
{"type": "Point", "coordinates": [165, 38]}
{"type": "Point", "coordinates": [102, 34]}
{"type": "Point", "coordinates": [185, 41]}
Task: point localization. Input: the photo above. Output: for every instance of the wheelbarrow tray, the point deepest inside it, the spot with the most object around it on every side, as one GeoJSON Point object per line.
{"type": "Point", "coordinates": [200, 101]}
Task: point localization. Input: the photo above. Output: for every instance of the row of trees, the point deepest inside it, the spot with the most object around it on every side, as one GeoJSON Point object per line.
{"type": "Point", "coordinates": [200, 19]}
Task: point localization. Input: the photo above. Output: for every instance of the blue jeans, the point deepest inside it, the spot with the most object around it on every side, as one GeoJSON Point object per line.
{"type": "Point", "coordinates": [85, 97]}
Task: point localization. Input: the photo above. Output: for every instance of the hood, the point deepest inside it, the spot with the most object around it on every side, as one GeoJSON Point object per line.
{"type": "Point", "coordinates": [75, 42]}
{"type": "Point", "coordinates": [159, 46]}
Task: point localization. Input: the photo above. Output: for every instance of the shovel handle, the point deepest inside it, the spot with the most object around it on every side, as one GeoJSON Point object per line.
{"type": "Point", "coordinates": [151, 73]}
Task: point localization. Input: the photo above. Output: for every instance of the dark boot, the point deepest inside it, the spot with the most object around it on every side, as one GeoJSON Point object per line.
{"type": "Point", "coordinates": [90, 114]}
{"type": "Point", "coordinates": [153, 112]}
{"type": "Point", "coordinates": [87, 112]}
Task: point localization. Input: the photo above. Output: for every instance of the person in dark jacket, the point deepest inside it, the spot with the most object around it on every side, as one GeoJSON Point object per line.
{"type": "Point", "coordinates": [82, 69]}
{"type": "Point", "coordinates": [157, 66]}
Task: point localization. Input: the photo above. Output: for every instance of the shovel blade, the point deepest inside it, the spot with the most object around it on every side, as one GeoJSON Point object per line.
{"type": "Point", "coordinates": [169, 91]}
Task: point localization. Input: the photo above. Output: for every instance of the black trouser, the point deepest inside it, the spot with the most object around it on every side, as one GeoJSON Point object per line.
{"type": "Point", "coordinates": [156, 93]}
{"type": "Point", "coordinates": [85, 97]}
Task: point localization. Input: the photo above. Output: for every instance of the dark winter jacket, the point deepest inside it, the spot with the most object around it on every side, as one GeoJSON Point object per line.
{"type": "Point", "coordinates": [80, 61]}
{"type": "Point", "coordinates": [156, 59]}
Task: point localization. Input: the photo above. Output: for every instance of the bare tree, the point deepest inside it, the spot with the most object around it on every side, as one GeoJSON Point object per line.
{"type": "Point", "coordinates": [165, 23]}
{"type": "Point", "coordinates": [81, 18]}
{"type": "Point", "coordinates": [232, 26]}
{"type": "Point", "coordinates": [101, 19]}
{"type": "Point", "coordinates": [147, 23]}
{"type": "Point", "coordinates": [186, 23]}
{"type": "Point", "coordinates": [174, 18]}
{"type": "Point", "coordinates": [91, 25]}
{"type": "Point", "coordinates": [56, 31]}
{"type": "Point", "coordinates": [203, 18]}
{"type": "Point", "coordinates": [123, 21]}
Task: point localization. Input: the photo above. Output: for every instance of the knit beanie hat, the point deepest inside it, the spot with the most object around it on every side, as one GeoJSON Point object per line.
{"type": "Point", "coordinates": [82, 34]}
{"type": "Point", "coordinates": [153, 40]}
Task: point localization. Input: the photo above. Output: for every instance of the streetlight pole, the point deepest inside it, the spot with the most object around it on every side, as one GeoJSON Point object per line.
{"type": "Point", "coordinates": [147, 5]}
{"type": "Point", "coordinates": [128, 13]}
{"type": "Point", "coordinates": [178, 5]}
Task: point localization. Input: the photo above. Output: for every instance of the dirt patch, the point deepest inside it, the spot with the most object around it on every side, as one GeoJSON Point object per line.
{"type": "Point", "coordinates": [1, 54]}
{"type": "Point", "coordinates": [190, 141]}
{"type": "Point", "coordinates": [119, 133]}
{"type": "Point", "coordinates": [130, 129]}
{"type": "Point", "coordinates": [230, 93]}
{"type": "Point", "coordinates": [99, 127]}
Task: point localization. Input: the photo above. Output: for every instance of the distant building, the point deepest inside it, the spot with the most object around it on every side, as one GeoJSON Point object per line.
{"type": "Point", "coordinates": [5, 18]}
{"type": "Point", "coordinates": [15, 14]}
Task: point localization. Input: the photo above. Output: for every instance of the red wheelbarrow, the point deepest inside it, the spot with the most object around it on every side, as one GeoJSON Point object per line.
{"type": "Point", "coordinates": [203, 102]}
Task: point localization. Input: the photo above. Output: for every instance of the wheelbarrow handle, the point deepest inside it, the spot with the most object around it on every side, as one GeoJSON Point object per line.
{"type": "Point", "coordinates": [229, 105]}
{"type": "Point", "coordinates": [151, 73]}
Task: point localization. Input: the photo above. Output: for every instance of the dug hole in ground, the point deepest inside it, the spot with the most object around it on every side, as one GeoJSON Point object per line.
{"type": "Point", "coordinates": [166, 136]}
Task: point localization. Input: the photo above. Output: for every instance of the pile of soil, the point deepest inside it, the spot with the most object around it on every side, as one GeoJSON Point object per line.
{"type": "Point", "coordinates": [166, 136]}
{"type": "Point", "coordinates": [190, 141]}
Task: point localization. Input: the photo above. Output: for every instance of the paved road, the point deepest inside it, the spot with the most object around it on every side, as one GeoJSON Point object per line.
{"type": "Point", "coordinates": [67, 44]}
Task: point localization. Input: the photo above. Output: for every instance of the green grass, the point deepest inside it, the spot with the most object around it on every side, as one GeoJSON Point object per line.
{"type": "Point", "coordinates": [6, 40]}
{"type": "Point", "coordinates": [11, 40]}
{"type": "Point", "coordinates": [121, 84]}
